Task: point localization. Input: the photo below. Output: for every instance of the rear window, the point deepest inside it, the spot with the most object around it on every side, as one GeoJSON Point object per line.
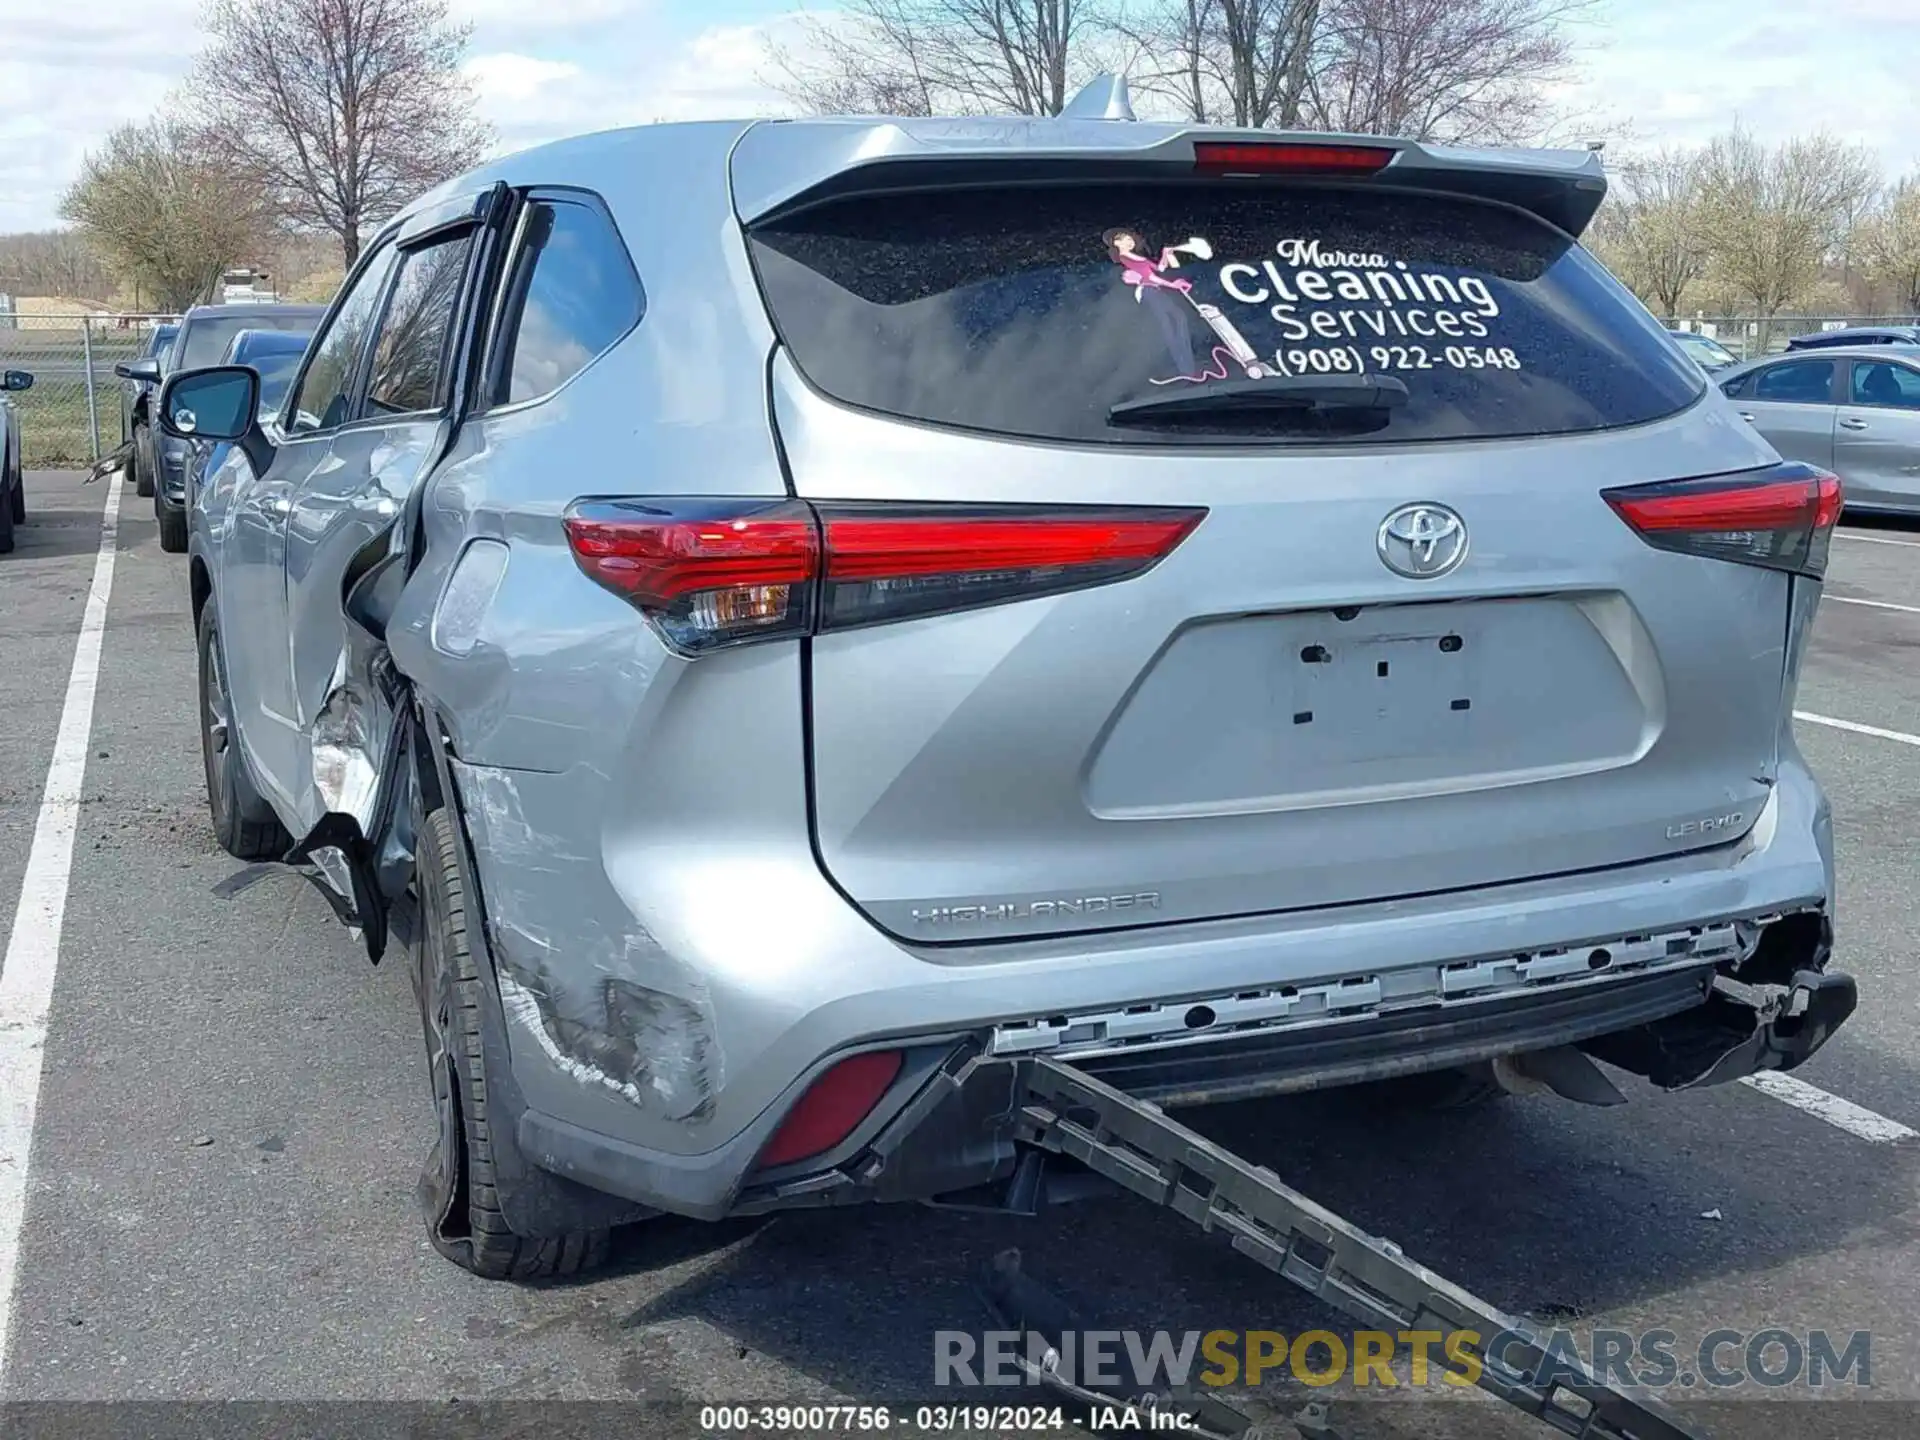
{"type": "Point", "coordinates": [1034, 314]}
{"type": "Point", "coordinates": [1712, 351]}
{"type": "Point", "coordinates": [205, 341]}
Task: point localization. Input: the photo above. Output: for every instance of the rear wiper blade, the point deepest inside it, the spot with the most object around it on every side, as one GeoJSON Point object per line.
{"type": "Point", "coordinates": [1274, 393]}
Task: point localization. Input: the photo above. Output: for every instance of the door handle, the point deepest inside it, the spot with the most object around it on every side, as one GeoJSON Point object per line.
{"type": "Point", "coordinates": [1849, 423]}
{"type": "Point", "coordinates": [1747, 415]}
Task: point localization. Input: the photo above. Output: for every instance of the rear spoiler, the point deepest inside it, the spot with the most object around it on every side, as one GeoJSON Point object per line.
{"type": "Point", "coordinates": [782, 167]}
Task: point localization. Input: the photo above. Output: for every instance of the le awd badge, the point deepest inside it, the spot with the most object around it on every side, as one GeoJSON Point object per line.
{"type": "Point", "coordinates": [1707, 825]}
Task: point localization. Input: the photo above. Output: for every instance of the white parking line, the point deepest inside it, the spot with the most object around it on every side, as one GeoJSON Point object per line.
{"type": "Point", "coordinates": [1831, 1108]}
{"type": "Point", "coordinates": [1875, 539]}
{"type": "Point", "coordinates": [1852, 1118]}
{"type": "Point", "coordinates": [33, 950]}
{"type": "Point", "coordinates": [1875, 604]}
{"type": "Point", "coordinates": [1855, 727]}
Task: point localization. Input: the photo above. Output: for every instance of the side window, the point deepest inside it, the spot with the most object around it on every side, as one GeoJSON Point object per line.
{"type": "Point", "coordinates": [410, 355]}
{"type": "Point", "coordinates": [1798, 382]}
{"type": "Point", "coordinates": [325, 397]}
{"type": "Point", "coordinates": [571, 294]}
{"type": "Point", "coordinates": [1879, 382]}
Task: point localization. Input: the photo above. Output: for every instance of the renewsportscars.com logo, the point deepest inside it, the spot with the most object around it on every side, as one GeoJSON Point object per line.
{"type": "Point", "coordinates": [1384, 1359]}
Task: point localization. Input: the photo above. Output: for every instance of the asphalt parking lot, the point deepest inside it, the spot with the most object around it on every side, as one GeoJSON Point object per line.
{"type": "Point", "coordinates": [232, 1113]}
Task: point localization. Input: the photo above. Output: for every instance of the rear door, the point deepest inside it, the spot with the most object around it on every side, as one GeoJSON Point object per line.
{"type": "Point", "coordinates": [344, 510]}
{"type": "Point", "coordinates": [1876, 443]}
{"type": "Point", "coordinates": [1792, 404]}
{"type": "Point", "coordinates": [251, 587]}
{"type": "Point", "coordinates": [1406, 650]}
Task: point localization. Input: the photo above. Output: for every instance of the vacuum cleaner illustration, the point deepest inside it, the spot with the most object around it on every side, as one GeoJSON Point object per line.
{"type": "Point", "coordinates": [1236, 344]}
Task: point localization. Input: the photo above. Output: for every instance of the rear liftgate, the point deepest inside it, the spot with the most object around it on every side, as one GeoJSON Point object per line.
{"type": "Point", "coordinates": [1134, 1144]}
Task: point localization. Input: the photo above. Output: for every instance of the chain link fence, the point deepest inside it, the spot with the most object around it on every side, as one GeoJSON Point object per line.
{"type": "Point", "coordinates": [1749, 336]}
{"type": "Point", "coordinates": [75, 411]}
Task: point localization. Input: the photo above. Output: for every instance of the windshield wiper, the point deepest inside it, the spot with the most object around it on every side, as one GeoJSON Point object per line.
{"type": "Point", "coordinates": [1276, 393]}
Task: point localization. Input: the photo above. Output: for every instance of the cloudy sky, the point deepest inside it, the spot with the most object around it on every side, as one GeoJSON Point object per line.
{"type": "Point", "coordinates": [1676, 70]}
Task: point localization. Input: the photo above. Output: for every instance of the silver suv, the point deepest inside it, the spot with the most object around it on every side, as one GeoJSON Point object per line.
{"type": "Point", "coordinates": [792, 620]}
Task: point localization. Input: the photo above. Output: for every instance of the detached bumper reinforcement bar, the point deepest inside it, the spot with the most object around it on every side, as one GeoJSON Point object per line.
{"type": "Point", "coordinates": [1134, 1144]}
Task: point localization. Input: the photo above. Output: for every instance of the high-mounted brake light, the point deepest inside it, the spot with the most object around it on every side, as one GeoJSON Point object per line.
{"type": "Point", "coordinates": [711, 573]}
{"type": "Point", "coordinates": [1781, 517]}
{"type": "Point", "coordinates": [1262, 158]}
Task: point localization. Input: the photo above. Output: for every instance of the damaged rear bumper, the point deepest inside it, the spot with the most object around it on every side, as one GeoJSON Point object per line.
{"type": "Point", "coordinates": [668, 999]}
{"type": "Point", "coordinates": [1771, 1012]}
{"type": "Point", "coordinates": [949, 1126]}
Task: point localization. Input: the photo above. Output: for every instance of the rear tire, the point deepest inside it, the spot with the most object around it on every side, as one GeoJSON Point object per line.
{"type": "Point", "coordinates": [173, 524]}
{"type": "Point", "coordinates": [1464, 1087]}
{"type": "Point", "coordinates": [465, 1223]}
{"type": "Point", "coordinates": [243, 822]}
{"type": "Point", "coordinates": [142, 460]}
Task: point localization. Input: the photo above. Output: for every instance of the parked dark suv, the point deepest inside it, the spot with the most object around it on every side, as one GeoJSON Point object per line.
{"type": "Point", "coordinates": [160, 460]}
{"type": "Point", "coordinates": [140, 378]}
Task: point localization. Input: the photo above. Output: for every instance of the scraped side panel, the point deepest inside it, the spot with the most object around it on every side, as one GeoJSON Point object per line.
{"type": "Point", "coordinates": [610, 1010]}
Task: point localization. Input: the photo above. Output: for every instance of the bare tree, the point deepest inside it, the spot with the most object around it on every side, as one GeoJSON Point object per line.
{"type": "Point", "coordinates": [52, 262]}
{"type": "Point", "coordinates": [1229, 62]}
{"type": "Point", "coordinates": [926, 57]}
{"type": "Point", "coordinates": [1774, 215]}
{"type": "Point", "coordinates": [166, 215]}
{"type": "Point", "coordinates": [854, 67]}
{"type": "Point", "coordinates": [343, 110]}
{"type": "Point", "coordinates": [1889, 244]}
{"type": "Point", "coordinates": [1652, 232]}
{"type": "Point", "coordinates": [1448, 70]}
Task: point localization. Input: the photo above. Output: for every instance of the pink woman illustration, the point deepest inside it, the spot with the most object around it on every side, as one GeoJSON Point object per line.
{"type": "Point", "coordinates": [1170, 299]}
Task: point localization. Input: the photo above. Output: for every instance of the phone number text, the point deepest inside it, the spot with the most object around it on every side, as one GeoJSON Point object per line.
{"type": "Point", "coordinates": [1357, 359]}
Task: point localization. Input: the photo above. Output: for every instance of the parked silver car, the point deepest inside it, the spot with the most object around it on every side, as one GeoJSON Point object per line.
{"type": "Point", "coordinates": [1853, 411]}
{"type": "Point", "coordinates": [1247, 612]}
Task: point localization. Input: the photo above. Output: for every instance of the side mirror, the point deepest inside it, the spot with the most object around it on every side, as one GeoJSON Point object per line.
{"type": "Point", "coordinates": [16, 380]}
{"type": "Point", "coordinates": [218, 403]}
{"type": "Point", "coordinates": [144, 370]}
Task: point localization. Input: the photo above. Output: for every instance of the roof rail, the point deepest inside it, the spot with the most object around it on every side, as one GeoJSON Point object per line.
{"type": "Point", "coordinates": [1104, 97]}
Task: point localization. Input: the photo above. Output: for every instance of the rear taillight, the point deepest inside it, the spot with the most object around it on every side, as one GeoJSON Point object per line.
{"type": "Point", "coordinates": [892, 563]}
{"type": "Point", "coordinates": [711, 573]}
{"type": "Point", "coordinates": [708, 572]}
{"type": "Point", "coordinates": [1265, 158]}
{"type": "Point", "coordinates": [1782, 517]}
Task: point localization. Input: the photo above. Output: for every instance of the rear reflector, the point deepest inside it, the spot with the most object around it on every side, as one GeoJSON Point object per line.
{"type": "Point", "coordinates": [1239, 158]}
{"type": "Point", "coordinates": [832, 1108]}
{"type": "Point", "coordinates": [1782, 517]}
{"type": "Point", "coordinates": [711, 573]}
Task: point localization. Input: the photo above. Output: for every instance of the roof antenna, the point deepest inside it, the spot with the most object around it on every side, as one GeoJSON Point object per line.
{"type": "Point", "coordinates": [1102, 98]}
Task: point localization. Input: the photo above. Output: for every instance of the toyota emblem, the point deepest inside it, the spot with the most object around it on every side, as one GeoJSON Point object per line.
{"type": "Point", "coordinates": [1422, 542]}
